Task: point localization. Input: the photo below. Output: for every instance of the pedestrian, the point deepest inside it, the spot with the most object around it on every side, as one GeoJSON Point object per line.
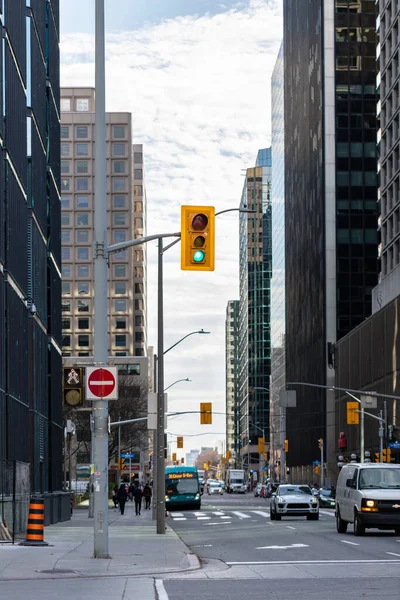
{"type": "Point", "coordinates": [122, 497]}
{"type": "Point", "coordinates": [137, 494]}
{"type": "Point", "coordinates": [131, 490]}
{"type": "Point", "coordinates": [115, 496]}
{"type": "Point", "coordinates": [147, 495]}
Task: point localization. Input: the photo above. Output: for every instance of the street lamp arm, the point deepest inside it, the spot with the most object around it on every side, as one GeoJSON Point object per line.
{"type": "Point", "coordinates": [241, 210]}
{"type": "Point", "coordinates": [139, 241]}
{"type": "Point", "coordinates": [340, 389]}
{"type": "Point", "coordinates": [177, 381]}
{"type": "Point", "coordinates": [184, 338]}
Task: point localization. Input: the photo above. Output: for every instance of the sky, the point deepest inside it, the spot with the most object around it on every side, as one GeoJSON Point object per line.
{"type": "Point", "coordinates": [196, 76]}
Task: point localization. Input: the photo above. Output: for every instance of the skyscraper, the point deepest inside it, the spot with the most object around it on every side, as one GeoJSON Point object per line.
{"type": "Point", "coordinates": [255, 263]}
{"type": "Point", "coordinates": [231, 371]}
{"type": "Point", "coordinates": [330, 196]}
{"type": "Point", "coordinates": [126, 216]}
{"type": "Point", "coordinates": [31, 428]}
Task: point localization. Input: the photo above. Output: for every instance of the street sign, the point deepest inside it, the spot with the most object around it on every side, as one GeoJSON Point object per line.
{"type": "Point", "coordinates": [394, 445]}
{"type": "Point", "coordinates": [101, 383]}
{"type": "Point", "coordinates": [127, 455]}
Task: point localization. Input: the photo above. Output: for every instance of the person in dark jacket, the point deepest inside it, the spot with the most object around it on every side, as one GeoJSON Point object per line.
{"type": "Point", "coordinates": [137, 494]}
{"type": "Point", "coordinates": [122, 497]}
{"type": "Point", "coordinates": [147, 495]}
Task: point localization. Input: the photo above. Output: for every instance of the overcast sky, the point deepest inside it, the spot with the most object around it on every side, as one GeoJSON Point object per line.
{"type": "Point", "coordinates": [196, 75]}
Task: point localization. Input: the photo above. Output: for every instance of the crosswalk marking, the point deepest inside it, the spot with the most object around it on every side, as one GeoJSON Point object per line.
{"type": "Point", "coordinates": [259, 512]}
{"type": "Point", "coordinates": [199, 514]}
{"type": "Point", "coordinates": [218, 514]}
{"type": "Point", "coordinates": [175, 514]}
{"type": "Point", "coordinates": [203, 518]}
{"type": "Point", "coordinates": [226, 517]}
{"type": "Point", "coordinates": [241, 515]}
{"type": "Point", "coordinates": [179, 518]}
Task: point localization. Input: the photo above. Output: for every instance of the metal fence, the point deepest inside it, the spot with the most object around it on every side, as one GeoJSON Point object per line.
{"type": "Point", "coordinates": [14, 500]}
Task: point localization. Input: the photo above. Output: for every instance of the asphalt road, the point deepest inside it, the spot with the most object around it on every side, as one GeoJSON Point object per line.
{"type": "Point", "coordinates": [244, 553]}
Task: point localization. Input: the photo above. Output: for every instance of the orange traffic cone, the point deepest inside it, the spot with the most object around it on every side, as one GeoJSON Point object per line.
{"type": "Point", "coordinates": [35, 529]}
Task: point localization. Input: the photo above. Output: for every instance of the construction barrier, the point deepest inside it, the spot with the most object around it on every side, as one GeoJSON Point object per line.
{"type": "Point", "coordinates": [35, 529]}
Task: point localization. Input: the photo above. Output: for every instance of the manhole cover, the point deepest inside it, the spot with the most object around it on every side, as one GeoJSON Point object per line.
{"type": "Point", "coordinates": [55, 571]}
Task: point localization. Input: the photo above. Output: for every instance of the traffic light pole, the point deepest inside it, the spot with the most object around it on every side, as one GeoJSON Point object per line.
{"type": "Point", "coordinates": [160, 490]}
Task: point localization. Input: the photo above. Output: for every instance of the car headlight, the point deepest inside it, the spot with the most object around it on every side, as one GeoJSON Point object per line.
{"type": "Point", "coordinates": [370, 503]}
{"type": "Point", "coordinates": [314, 501]}
{"type": "Point", "coordinates": [281, 500]}
{"type": "Point", "coordinates": [197, 496]}
{"type": "Point", "coordinates": [166, 498]}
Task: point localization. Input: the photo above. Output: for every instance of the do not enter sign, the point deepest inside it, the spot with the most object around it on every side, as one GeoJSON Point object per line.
{"type": "Point", "coordinates": [101, 383]}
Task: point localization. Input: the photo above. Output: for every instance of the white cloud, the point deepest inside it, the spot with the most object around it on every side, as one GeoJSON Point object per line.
{"type": "Point", "coordinates": [199, 92]}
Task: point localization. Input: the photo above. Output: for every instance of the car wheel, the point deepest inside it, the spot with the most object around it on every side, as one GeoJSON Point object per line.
{"type": "Point", "coordinates": [278, 517]}
{"type": "Point", "coordinates": [271, 514]}
{"type": "Point", "coordinates": [359, 527]}
{"type": "Point", "coordinates": [341, 526]}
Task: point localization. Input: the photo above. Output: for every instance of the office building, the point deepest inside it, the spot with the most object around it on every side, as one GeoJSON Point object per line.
{"type": "Point", "coordinates": [231, 377]}
{"type": "Point", "coordinates": [191, 458]}
{"type": "Point", "coordinates": [126, 220]}
{"type": "Point", "coordinates": [31, 428]}
{"type": "Point", "coordinates": [389, 166]}
{"type": "Point", "coordinates": [255, 263]}
{"type": "Point", "coordinates": [330, 201]}
{"type": "Point", "coordinates": [278, 254]}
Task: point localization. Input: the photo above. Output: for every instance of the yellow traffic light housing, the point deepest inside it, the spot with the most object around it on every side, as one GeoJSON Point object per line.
{"type": "Point", "coordinates": [286, 445]}
{"type": "Point", "coordinates": [121, 462]}
{"type": "Point", "coordinates": [179, 442]}
{"type": "Point", "coordinates": [197, 238]}
{"type": "Point", "coordinates": [205, 413]}
{"type": "Point", "coordinates": [352, 416]}
{"type": "Point", "coordinates": [320, 443]}
{"type": "Point", "coordinates": [228, 454]}
{"type": "Point", "coordinates": [72, 386]}
{"type": "Point", "coordinates": [261, 445]}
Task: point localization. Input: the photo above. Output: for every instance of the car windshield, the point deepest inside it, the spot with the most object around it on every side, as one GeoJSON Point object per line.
{"type": "Point", "coordinates": [327, 493]}
{"type": "Point", "coordinates": [285, 490]}
{"type": "Point", "coordinates": [236, 480]}
{"type": "Point", "coordinates": [379, 478]}
{"type": "Point", "coordinates": [215, 485]}
{"type": "Point", "coordinates": [182, 486]}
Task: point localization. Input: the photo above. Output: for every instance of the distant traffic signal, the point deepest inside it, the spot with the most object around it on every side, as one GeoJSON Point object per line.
{"type": "Point", "coordinates": [261, 445]}
{"type": "Point", "coordinates": [197, 238]}
{"type": "Point", "coordinates": [320, 443]}
{"type": "Point", "coordinates": [174, 456]}
{"type": "Point", "coordinates": [182, 461]}
{"type": "Point", "coordinates": [386, 455]}
{"type": "Point", "coordinates": [72, 386]}
{"type": "Point", "coordinates": [179, 442]}
{"type": "Point", "coordinates": [352, 414]}
{"type": "Point", "coordinates": [121, 462]}
{"type": "Point", "coordinates": [286, 445]}
{"type": "Point", "coordinates": [205, 413]}
{"type": "Point", "coordinates": [228, 454]}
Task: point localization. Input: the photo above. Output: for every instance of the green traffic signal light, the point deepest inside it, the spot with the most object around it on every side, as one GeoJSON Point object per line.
{"type": "Point", "coordinates": [199, 255]}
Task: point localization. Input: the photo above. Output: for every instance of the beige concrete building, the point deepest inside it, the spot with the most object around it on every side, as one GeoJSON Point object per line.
{"type": "Point", "coordinates": [126, 219]}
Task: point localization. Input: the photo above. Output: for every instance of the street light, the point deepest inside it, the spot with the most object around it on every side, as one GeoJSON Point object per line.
{"type": "Point", "coordinates": [177, 381]}
{"type": "Point", "coordinates": [201, 331]}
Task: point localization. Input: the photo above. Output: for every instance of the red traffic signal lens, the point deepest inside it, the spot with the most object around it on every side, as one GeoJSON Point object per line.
{"type": "Point", "coordinates": [199, 222]}
{"type": "Point", "coordinates": [199, 241]}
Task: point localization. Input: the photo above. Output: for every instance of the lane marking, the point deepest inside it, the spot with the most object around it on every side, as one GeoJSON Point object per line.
{"type": "Point", "coordinates": [316, 562]}
{"type": "Point", "coordinates": [289, 527]}
{"type": "Point", "coordinates": [351, 543]}
{"type": "Point", "coordinates": [202, 546]}
{"type": "Point", "coordinates": [220, 523]}
{"type": "Point", "coordinates": [199, 514]}
{"type": "Point", "coordinates": [259, 512]}
{"type": "Point", "coordinates": [176, 514]}
{"type": "Point", "coordinates": [226, 517]}
{"type": "Point", "coordinates": [241, 515]}
{"type": "Point", "coordinates": [179, 518]}
{"type": "Point", "coordinates": [203, 518]}
{"type": "Point", "coordinates": [161, 592]}
{"type": "Point", "coordinates": [393, 553]}
{"type": "Point", "coordinates": [283, 547]}
{"type": "Point", "coordinates": [218, 513]}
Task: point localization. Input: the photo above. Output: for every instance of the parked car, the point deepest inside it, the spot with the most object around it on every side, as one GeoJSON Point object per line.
{"type": "Point", "coordinates": [294, 500]}
{"type": "Point", "coordinates": [270, 489]}
{"type": "Point", "coordinates": [215, 488]}
{"type": "Point", "coordinates": [326, 498]}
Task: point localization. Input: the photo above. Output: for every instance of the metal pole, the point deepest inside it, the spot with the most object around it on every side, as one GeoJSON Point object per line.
{"type": "Point", "coordinates": [362, 433]}
{"type": "Point", "coordinates": [69, 462]}
{"type": "Point", "coordinates": [91, 478]}
{"type": "Point", "coordinates": [65, 459]}
{"type": "Point", "coordinates": [100, 407]}
{"type": "Point", "coordinates": [160, 491]}
{"type": "Point", "coordinates": [381, 436]}
{"type": "Point", "coordinates": [321, 471]}
{"type": "Point", "coordinates": [119, 453]}
{"type": "Point", "coordinates": [282, 444]}
{"type": "Point", "coordinates": [155, 454]}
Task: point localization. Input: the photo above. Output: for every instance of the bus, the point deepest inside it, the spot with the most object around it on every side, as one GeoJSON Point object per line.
{"type": "Point", "coordinates": [182, 488]}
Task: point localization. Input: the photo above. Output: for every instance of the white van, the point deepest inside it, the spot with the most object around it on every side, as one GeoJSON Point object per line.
{"type": "Point", "coordinates": [368, 495]}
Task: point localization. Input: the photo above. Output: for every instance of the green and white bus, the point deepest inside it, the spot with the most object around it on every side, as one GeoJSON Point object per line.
{"type": "Point", "coordinates": [182, 488]}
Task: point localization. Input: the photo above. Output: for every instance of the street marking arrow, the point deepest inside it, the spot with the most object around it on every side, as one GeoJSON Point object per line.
{"type": "Point", "coordinates": [282, 547]}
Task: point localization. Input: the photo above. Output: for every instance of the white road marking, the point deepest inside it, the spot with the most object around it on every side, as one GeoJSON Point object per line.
{"type": "Point", "coordinates": [282, 547]}
{"type": "Point", "coordinates": [393, 553]}
{"type": "Point", "coordinates": [161, 593]}
{"type": "Point", "coordinates": [259, 512]}
{"type": "Point", "coordinates": [387, 561]}
{"type": "Point", "coordinates": [179, 518]}
{"type": "Point", "coordinates": [327, 512]}
{"type": "Point", "coordinates": [199, 514]}
{"type": "Point", "coordinates": [241, 515]}
{"type": "Point", "coordinates": [347, 542]}
{"type": "Point", "coordinates": [226, 517]}
{"type": "Point", "coordinates": [175, 514]}
{"type": "Point", "coordinates": [202, 546]}
{"type": "Point", "coordinates": [203, 518]}
{"type": "Point", "coordinates": [220, 523]}
{"type": "Point", "coordinates": [218, 514]}
{"type": "Point", "coordinates": [289, 527]}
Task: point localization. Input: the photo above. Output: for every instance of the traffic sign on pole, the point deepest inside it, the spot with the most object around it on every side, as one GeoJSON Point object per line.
{"type": "Point", "coordinates": [101, 382]}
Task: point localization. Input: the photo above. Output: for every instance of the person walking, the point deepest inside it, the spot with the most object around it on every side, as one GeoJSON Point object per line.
{"type": "Point", "coordinates": [137, 494]}
{"type": "Point", "coordinates": [115, 496]}
{"type": "Point", "coordinates": [122, 497]}
{"type": "Point", "coordinates": [131, 490]}
{"type": "Point", "coordinates": [147, 495]}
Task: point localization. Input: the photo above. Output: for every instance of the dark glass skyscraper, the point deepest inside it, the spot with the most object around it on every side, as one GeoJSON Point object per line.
{"type": "Point", "coordinates": [330, 195]}
{"type": "Point", "coordinates": [30, 255]}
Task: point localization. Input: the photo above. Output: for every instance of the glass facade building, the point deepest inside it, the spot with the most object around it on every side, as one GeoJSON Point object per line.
{"type": "Point", "coordinates": [255, 264]}
{"type": "Point", "coordinates": [330, 193]}
{"type": "Point", "coordinates": [232, 387]}
{"type": "Point", "coordinates": [278, 251]}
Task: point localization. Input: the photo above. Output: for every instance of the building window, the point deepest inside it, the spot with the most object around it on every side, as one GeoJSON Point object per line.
{"type": "Point", "coordinates": [82, 237]}
{"type": "Point", "coordinates": [138, 191]}
{"type": "Point", "coordinates": [83, 287]}
{"type": "Point", "coordinates": [138, 223]}
{"type": "Point", "coordinates": [119, 235]}
{"type": "Point", "coordinates": [138, 158]}
{"type": "Point", "coordinates": [83, 305]}
{"type": "Point", "coordinates": [119, 132]}
{"type": "Point", "coordinates": [65, 307]}
{"type": "Point", "coordinates": [138, 288]}
{"type": "Point", "coordinates": [64, 149]}
{"type": "Point", "coordinates": [120, 340]}
{"type": "Point", "coordinates": [139, 321]}
{"type": "Point", "coordinates": [65, 202]}
{"type": "Point", "coordinates": [137, 174]}
{"type": "Point", "coordinates": [82, 202]}
{"type": "Point", "coordinates": [66, 340]}
{"type": "Point", "coordinates": [65, 287]}
{"type": "Point", "coordinates": [119, 201]}
{"type": "Point", "coordinates": [139, 255]}
{"type": "Point", "coordinates": [82, 271]}
{"type": "Point", "coordinates": [119, 184]}
{"type": "Point", "coordinates": [82, 104]}
{"type": "Point", "coordinates": [139, 304]}
{"type": "Point", "coordinates": [83, 340]}
{"type": "Point", "coordinates": [65, 167]}
{"type": "Point", "coordinates": [82, 166]}
{"type": "Point", "coordinates": [82, 184]}
{"type": "Point", "coordinates": [119, 218]}
{"type": "Point", "coordinates": [65, 184]}
{"type": "Point", "coordinates": [119, 270]}
{"type": "Point", "coordinates": [120, 287]}
{"type": "Point", "coordinates": [83, 323]}
{"type": "Point", "coordinates": [120, 306]}
{"type": "Point", "coordinates": [82, 150]}
{"type": "Point", "coordinates": [66, 323]}
{"type": "Point", "coordinates": [119, 166]}
{"type": "Point", "coordinates": [120, 354]}
{"type": "Point", "coordinates": [65, 253]}
{"type": "Point", "coordinates": [138, 271]}
{"type": "Point", "coordinates": [81, 132]}
{"type": "Point", "coordinates": [66, 271]}
{"type": "Point", "coordinates": [82, 219]}
{"type": "Point", "coordinates": [121, 255]}
{"type": "Point", "coordinates": [119, 149]}
{"type": "Point", "coordinates": [82, 253]}
{"type": "Point", "coordinates": [120, 323]}
{"type": "Point", "coordinates": [65, 104]}
{"type": "Point", "coordinates": [83, 353]}
{"type": "Point", "coordinates": [139, 336]}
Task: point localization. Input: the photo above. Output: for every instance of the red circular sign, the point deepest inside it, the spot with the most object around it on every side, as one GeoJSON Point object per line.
{"type": "Point", "coordinates": [101, 383]}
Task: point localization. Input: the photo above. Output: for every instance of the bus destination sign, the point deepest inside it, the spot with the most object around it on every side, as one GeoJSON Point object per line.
{"type": "Point", "coordinates": [180, 475]}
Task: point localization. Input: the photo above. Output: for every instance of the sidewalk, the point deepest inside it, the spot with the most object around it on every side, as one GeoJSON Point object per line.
{"type": "Point", "coordinates": [134, 546]}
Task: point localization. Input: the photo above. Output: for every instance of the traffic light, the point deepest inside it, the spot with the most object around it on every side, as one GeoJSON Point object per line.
{"type": "Point", "coordinates": [174, 456]}
{"type": "Point", "coordinates": [197, 238]}
{"type": "Point", "coordinates": [320, 443]}
{"type": "Point", "coordinates": [182, 461]}
{"type": "Point", "coordinates": [121, 462]}
{"type": "Point", "coordinates": [205, 413]}
{"type": "Point", "coordinates": [179, 442]}
{"type": "Point", "coordinates": [352, 416]}
{"type": "Point", "coordinates": [386, 455]}
{"type": "Point", "coordinates": [377, 457]}
{"type": "Point", "coordinates": [316, 470]}
{"type": "Point", "coordinates": [72, 386]}
{"type": "Point", "coordinates": [286, 446]}
{"type": "Point", "coordinates": [261, 445]}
